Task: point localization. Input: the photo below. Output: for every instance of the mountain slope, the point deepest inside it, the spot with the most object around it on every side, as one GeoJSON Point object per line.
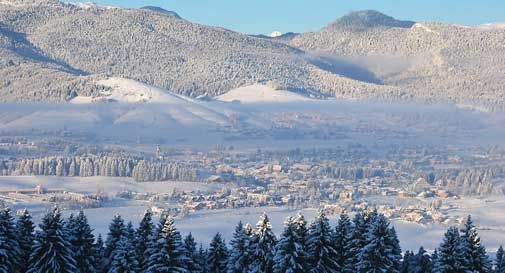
{"type": "Point", "coordinates": [429, 61]}
{"type": "Point", "coordinates": [166, 51]}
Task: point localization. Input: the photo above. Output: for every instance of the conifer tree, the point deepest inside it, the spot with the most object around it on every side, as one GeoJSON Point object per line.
{"type": "Point", "coordinates": [290, 255]}
{"type": "Point", "coordinates": [25, 237]}
{"type": "Point", "coordinates": [320, 247]}
{"type": "Point", "coordinates": [124, 259]}
{"type": "Point", "coordinates": [117, 230]}
{"type": "Point", "coordinates": [167, 251]}
{"type": "Point", "coordinates": [52, 252]}
{"type": "Point", "coordinates": [342, 244]}
{"type": "Point", "coordinates": [357, 242]}
{"type": "Point", "coordinates": [240, 258]}
{"type": "Point", "coordinates": [143, 235]}
{"type": "Point", "coordinates": [475, 252]}
{"type": "Point", "coordinates": [451, 256]}
{"type": "Point", "coordinates": [9, 247]}
{"type": "Point", "coordinates": [421, 262]}
{"type": "Point", "coordinates": [499, 265]}
{"type": "Point", "coordinates": [99, 253]}
{"type": "Point", "coordinates": [193, 265]}
{"type": "Point", "coordinates": [217, 255]}
{"type": "Point", "coordinates": [82, 240]}
{"type": "Point", "coordinates": [262, 246]}
{"type": "Point", "coordinates": [202, 259]}
{"type": "Point", "coordinates": [380, 253]}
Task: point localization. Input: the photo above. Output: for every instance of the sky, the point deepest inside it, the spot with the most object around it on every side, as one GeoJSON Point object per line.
{"type": "Point", "coordinates": [266, 16]}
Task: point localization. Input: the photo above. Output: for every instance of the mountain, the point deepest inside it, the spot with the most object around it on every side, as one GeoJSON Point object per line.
{"type": "Point", "coordinates": [428, 61]}
{"type": "Point", "coordinates": [54, 51]}
{"type": "Point", "coordinates": [164, 51]}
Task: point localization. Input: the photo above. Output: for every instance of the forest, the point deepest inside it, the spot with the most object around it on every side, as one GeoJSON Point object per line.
{"type": "Point", "coordinates": [366, 243]}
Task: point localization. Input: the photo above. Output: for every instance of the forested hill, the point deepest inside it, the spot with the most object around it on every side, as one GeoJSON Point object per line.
{"type": "Point", "coordinates": [54, 51]}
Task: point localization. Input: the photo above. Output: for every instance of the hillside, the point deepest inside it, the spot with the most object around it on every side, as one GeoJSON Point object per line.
{"type": "Point", "coordinates": [166, 51]}
{"type": "Point", "coordinates": [53, 51]}
{"type": "Point", "coordinates": [430, 61]}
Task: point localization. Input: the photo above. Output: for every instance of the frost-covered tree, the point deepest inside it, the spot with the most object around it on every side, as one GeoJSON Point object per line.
{"type": "Point", "coordinates": [117, 230]}
{"type": "Point", "coordinates": [124, 259]}
{"type": "Point", "coordinates": [475, 252]}
{"type": "Point", "coordinates": [167, 251]}
{"type": "Point", "coordinates": [9, 246]}
{"type": "Point", "coordinates": [290, 255]}
{"type": "Point", "coordinates": [192, 264]}
{"type": "Point", "coordinates": [451, 256]}
{"type": "Point", "coordinates": [342, 243]}
{"type": "Point", "coordinates": [202, 259]}
{"type": "Point", "coordinates": [239, 259]}
{"type": "Point", "coordinates": [82, 240]}
{"type": "Point", "coordinates": [380, 253]}
{"type": "Point", "coordinates": [499, 264]}
{"type": "Point", "coordinates": [99, 253]}
{"type": "Point", "coordinates": [143, 235]}
{"type": "Point", "coordinates": [262, 246]}
{"type": "Point", "coordinates": [217, 255]}
{"type": "Point", "coordinates": [358, 241]}
{"type": "Point", "coordinates": [25, 236]}
{"type": "Point", "coordinates": [320, 247]}
{"type": "Point", "coordinates": [420, 262]}
{"type": "Point", "coordinates": [52, 252]}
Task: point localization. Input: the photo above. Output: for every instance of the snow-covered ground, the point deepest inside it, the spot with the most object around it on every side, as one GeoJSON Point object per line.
{"type": "Point", "coordinates": [261, 93]}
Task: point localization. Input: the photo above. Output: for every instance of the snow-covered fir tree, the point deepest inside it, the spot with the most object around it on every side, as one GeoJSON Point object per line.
{"type": "Point", "coordinates": [9, 247]}
{"type": "Point", "coordinates": [320, 246]}
{"type": "Point", "coordinates": [124, 258]}
{"type": "Point", "coordinates": [420, 262]}
{"type": "Point", "coordinates": [290, 255]}
{"type": "Point", "coordinates": [499, 264]}
{"type": "Point", "coordinates": [262, 246]}
{"type": "Point", "coordinates": [52, 252]}
{"type": "Point", "coordinates": [202, 259]}
{"type": "Point", "coordinates": [475, 252]}
{"type": "Point", "coordinates": [117, 230]}
{"type": "Point", "coordinates": [451, 255]}
{"type": "Point", "coordinates": [342, 243]}
{"type": "Point", "coordinates": [143, 235]}
{"type": "Point", "coordinates": [99, 252]}
{"type": "Point", "coordinates": [25, 237]}
{"type": "Point", "coordinates": [380, 253]}
{"type": "Point", "coordinates": [167, 251]}
{"type": "Point", "coordinates": [82, 240]}
{"type": "Point", "coordinates": [217, 255]}
{"type": "Point", "coordinates": [358, 241]}
{"type": "Point", "coordinates": [239, 259]}
{"type": "Point", "coordinates": [192, 262]}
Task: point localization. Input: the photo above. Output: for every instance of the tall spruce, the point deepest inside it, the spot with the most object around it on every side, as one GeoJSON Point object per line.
{"type": "Point", "coordinates": [262, 246]}
{"type": "Point", "coordinates": [358, 241]}
{"type": "Point", "coordinates": [25, 236]}
{"type": "Point", "coordinates": [202, 259]}
{"type": "Point", "coordinates": [421, 262]}
{"type": "Point", "coordinates": [320, 247]}
{"type": "Point", "coordinates": [217, 255]}
{"type": "Point", "coordinates": [124, 260]}
{"type": "Point", "coordinates": [380, 253]}
{"type": "Point", "coordinates": [240, 256]}
{"type": "Point", "coordinates": [143, 236]}
{"type": "Point", "coordinates": [451, 256]}
{"type": "Point", "coordinates": [499, 266]}
{"type": "Point", "coordinates": [99, 253]}
{"type": "Point", "coordinates": [342, 243]}
{"type": "Point", "coordinates": [192, 263]}
{"type": "Point", "coordinates": [52, 252]}
{"type": "Point", "coordinates": [117, 230]}
{"type": "Point", "coordinates": [167, 251]}
{"type": "Point", "coordinates": [290, 255]}
{"type": "Point", "coordinates": [475, 252]}
{"type": "Point", "coordinates": [82, 240]}
{"type": "Point", "coordinates": [9, 247]}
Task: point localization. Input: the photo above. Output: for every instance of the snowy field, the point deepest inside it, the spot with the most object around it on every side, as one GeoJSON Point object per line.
{"type": "Point", "coordinates": [488, 213]}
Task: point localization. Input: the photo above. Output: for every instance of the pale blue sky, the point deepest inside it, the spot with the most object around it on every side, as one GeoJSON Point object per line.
{"type": "Point", "coordinates": [265, 16]}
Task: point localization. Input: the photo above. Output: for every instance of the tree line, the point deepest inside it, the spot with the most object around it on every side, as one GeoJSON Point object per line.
{"type": "Point", "coordinates": [140, 170]}
{"type": "Point", "coordinates": [365, 244]}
